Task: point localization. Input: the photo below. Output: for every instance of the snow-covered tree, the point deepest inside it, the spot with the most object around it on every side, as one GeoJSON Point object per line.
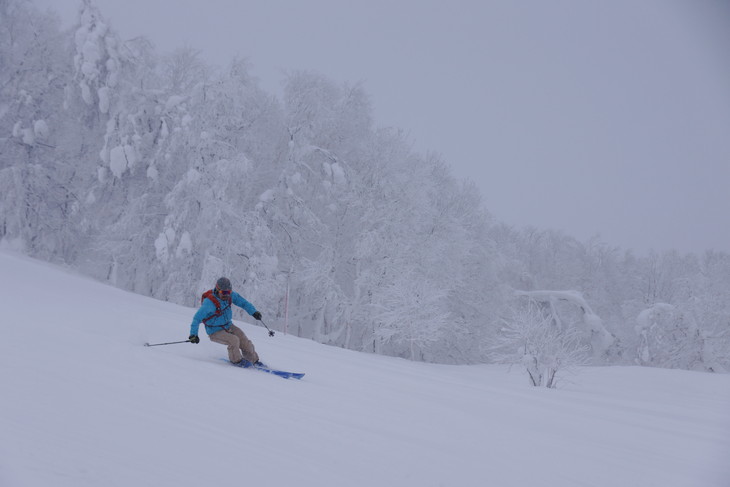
{"type": "Point", "coordinates": [669, 338]}
{"type": "Point", "coordinates": [38, 195]}
{"type": "Point", "coordinates": [413, 313]}
{"type": "Point", "coordinates": [530, 337]}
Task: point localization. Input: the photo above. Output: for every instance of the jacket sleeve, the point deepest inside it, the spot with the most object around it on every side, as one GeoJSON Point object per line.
{"type": "Point", "coordinates": [205, 310]}
{"type": "Point", "coordinates": [239, 301]}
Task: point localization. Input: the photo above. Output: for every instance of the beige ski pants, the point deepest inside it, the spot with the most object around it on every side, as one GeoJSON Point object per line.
{"type": "Point", "coordinates": [239, 346]}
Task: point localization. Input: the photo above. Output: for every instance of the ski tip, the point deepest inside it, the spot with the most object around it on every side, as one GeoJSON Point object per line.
{"type": "Point", "coordinates": [146, 344]}
{"type": "Point", "coordinates": [289, 375]}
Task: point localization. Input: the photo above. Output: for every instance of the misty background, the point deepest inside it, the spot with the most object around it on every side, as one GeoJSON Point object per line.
{"type": "Point", "coordinates": [593, 118]}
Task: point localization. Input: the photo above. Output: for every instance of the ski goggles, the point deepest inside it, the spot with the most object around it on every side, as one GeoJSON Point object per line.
{"type": "Point", "coordinates": [224, 293]}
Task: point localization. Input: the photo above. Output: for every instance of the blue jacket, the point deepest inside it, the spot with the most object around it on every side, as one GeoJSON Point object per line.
{"type": "Point", "coordinates": [222, 322]}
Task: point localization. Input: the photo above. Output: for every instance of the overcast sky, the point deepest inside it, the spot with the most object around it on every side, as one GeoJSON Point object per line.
{"type": "Point", "coordinates": [591, 117]}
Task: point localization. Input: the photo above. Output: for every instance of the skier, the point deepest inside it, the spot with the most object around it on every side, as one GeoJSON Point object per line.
{"type": "Point", "coordinates": [215, 313]}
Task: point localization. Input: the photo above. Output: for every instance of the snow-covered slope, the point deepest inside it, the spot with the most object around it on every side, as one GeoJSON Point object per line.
{"type": "Point", "coordinates": [85, 404]}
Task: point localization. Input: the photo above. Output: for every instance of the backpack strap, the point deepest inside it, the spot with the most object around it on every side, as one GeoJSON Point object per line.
{"type": "Point", "coordinates": [218, 311]}
{"type": "Point", "coordinates": [211, 295]}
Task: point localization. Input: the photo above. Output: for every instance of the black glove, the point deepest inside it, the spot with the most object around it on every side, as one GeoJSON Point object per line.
{"type": "Point", "coordinates": [194, 339]}
{"type": "Point", "coordinates": [257, 315]}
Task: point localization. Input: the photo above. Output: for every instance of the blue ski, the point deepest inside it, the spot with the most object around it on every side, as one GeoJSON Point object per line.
{"type": "Point", "coordinates": [264, 368]}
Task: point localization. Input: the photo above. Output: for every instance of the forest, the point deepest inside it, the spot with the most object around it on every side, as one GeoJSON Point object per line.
{"type": "Point", "coordinates": [159, 173]}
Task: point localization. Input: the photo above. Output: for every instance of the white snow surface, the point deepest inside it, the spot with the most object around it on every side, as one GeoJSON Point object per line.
{"type": "Point", "coordinates": [84, 403]}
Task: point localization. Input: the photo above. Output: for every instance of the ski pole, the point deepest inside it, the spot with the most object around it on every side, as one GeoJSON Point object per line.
{"type": "Point", "coordinates": [168, 343]}
{"type": "Point", "coordinates": [271, 332]}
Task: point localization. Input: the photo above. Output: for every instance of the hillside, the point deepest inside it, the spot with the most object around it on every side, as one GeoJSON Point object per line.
{"type": "Point", "coordinates": [85, 404]}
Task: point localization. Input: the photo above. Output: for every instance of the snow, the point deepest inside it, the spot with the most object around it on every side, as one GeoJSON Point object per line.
{"type": "Point", "coordinates": [174, 101]}
{"type": "Point", "coordinates": [101, 174]}
{"type": "Point", "coordinates": [153, 173]}
{"type": "Point", "coordinates": [86, 93]}
{"type": "Point", "coordinates": [28, 137]}
{"type": "Point", "coordinates": [40, 127]}
{"type": "Point", "coordinates": [18, 129]}
{"type": "Point", "coordinates": [647, 317]}
{"type": "Point", "coordinates": [117, 161]}
{"type": "Point", "coordinates": [121, 157]}
{"type": "Point", "coordinates": [85, 404]}
{"type": "Point", "coordinates": [185, 246]}
{"type": "Point", "coordinates": [111, 64]}
{"type": "Point", "coordinates": [164, 131]}
{"type": "Point", "coordinates": [267, 195]}
{"type": "Point", "coordinates": [12, 244]}
{"type": "Point", "coordinates": [338, 174]}
{"type": "Point", "coordinates": [161, 247]}
{"type": "Point", "coordinates": [104, 100]}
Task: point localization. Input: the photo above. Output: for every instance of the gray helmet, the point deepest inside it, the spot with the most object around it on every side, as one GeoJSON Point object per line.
{"type": "Point", "coordinates": [223, 284]}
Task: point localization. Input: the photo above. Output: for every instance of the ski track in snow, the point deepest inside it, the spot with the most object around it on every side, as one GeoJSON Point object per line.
{"type": "Point", "coordinates": [85, 404]}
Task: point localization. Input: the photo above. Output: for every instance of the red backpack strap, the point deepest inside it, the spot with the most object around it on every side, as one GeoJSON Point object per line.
{"type": "Point", "coordinates": [209, 294]}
